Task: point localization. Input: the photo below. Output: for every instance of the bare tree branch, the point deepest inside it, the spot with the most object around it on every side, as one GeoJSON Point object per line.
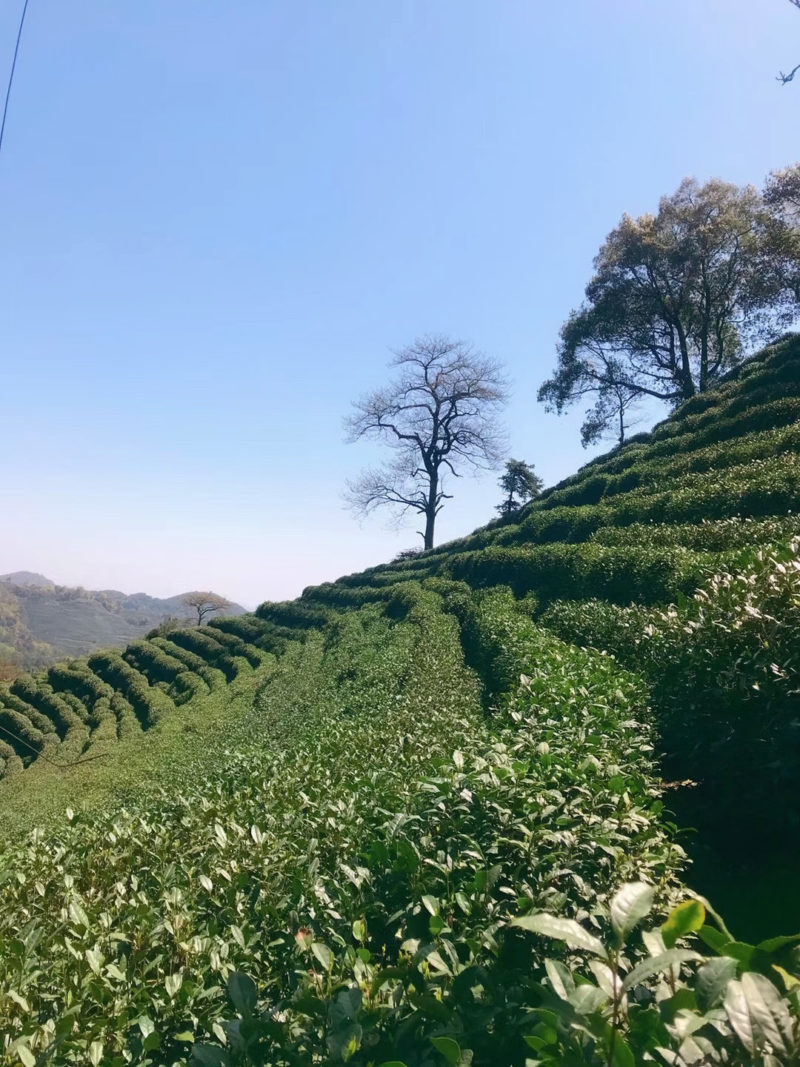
{"type": "Point", "coordinates": [440, 412]}
{"type": "Point", "coordinates": [784, 79]}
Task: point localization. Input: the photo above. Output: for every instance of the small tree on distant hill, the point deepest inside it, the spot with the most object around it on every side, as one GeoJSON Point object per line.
{"type": "Point", "coordinates": [520, 484]}
{"type": "Point", "coordinates": [438, 417]}
{"type": "Point", "coordinates": [204, 603]}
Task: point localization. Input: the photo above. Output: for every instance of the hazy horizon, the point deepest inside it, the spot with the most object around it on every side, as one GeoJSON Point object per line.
{"type": "Point", "coordinates": [219, 221]}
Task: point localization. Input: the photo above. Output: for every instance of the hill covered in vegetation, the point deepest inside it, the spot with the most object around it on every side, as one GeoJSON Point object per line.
{"type": "Point", "coordinates": [432, 813]}
{"type": "Point", "coordinates": [41, 622]}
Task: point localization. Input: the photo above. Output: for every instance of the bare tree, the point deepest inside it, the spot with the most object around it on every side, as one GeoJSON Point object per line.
{"type": "Point", "coordinates": [437, 417]}
{"type": "Point", "coordinates": [204, 603]}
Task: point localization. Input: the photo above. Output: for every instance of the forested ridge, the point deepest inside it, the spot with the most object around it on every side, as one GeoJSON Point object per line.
{"type": "Point", "coordinates": [435, 812]}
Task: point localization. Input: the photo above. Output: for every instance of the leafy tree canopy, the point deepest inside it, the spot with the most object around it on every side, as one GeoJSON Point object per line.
{"type": "Point", "coordinates": [519, 484]}
{"type": "Point", "coordinates": [676, 300]}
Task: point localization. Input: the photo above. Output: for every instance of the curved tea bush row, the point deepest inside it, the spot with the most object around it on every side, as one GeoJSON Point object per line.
{"type": "Point", "coordinates": [33, 691]}
{"type": "Point", "coordinates": [213, 677]}
{"type": "Point", "coordinates": [75, 677]}
{"type": "Point", "coordinates": [762, 378]}
{"type": "Point", "coordinates": [148, 703]}
{"type": "Point", "coordinates": [293, 614]}
{"type": "Point", "coordinates": [718, 535]}
{"type": "Point", "coordinates": [552, 571]}
{"type": "Point", "coordinates": [652, 472]}
{"type": "Point", "coordinates": [255, 631]}
{"type": "Point", "coordinates": [151, 661]}
{"type": "Point", "coordinates": [117, 693]}
{"type": "Point", "coordinates": [763, 488]}
{"type": "Point", "coordinates": [204, 644]}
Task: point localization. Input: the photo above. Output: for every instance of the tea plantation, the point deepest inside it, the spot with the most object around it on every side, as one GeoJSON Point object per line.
{"type": "Point", "coordinates": [434, 813]}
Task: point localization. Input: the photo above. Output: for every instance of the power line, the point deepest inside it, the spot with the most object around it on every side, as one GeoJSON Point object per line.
{"type": "Point", "coordinates": [13, 68]}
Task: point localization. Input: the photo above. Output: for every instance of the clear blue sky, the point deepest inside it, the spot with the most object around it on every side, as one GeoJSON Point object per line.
{"type": "Point", "coordinates": [218, 217]}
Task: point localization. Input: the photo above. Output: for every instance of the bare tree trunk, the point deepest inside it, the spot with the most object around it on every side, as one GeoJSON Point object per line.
{"type": "Point", "coordinates": [687, 385]}
{"type": "Point", "coordinates": [430, 509]}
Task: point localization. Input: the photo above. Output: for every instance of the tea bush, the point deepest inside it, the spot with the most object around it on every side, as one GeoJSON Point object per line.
{"type": "Point", "coordinates": [148, 703]}
{"type": "Point", "coordinates": [213, 677]}
{"type": "Point", "coordinates": [718, 535]}
{"type": "Point", "coordinates": [618, 574]}
{"type": "Point", "coordinates": [722, 668]}
{"type": "Point", "coordinates": [372, 917]}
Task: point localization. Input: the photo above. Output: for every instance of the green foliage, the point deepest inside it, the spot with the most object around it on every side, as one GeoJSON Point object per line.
{"type": "Point", "coordinates": [550, 571]}
{"type": "Point", "coordinates": [519, 484]}
{"type": "Point", "coordinates": [723, 669]}
{"type": "Point", "coordinates": [436, 836]}
{"type": "Point", "coordinates": [294, 615]}
{"type": "Point", "coordinates": [372, 921]}
{"type": "Point", "coordinates": [615, 1001]}
{"type": "Point", "coordinates": [717, 535]}
{"type": "Point", "coordinates": [148, 703]}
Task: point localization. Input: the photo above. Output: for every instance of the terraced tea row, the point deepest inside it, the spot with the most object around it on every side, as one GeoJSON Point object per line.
{"type": "Point", "coordinates": [74, 710]}
{"type": "Point", "coordinates": [372, 842]}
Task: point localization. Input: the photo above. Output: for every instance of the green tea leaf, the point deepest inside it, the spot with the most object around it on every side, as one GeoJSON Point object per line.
{"type": "Point", "coordinates": [323, 954]}
{"type": "Point", "coordinates": [25, 1054]}
{"type": "Point", "coordinates": [359, 930]}
{"type": "Point", "coordinates": [629, 905]}
{"type": "Point", "coordinates": [712, 981]}
{"type": "Point", "coordinates": [566, 930]}
{"type": "Point", "coordinates": [686, 918]}
{"type": "Point", "coordinates": [242, 991]}
{"type": "Point", "coordinates": [758, 1015]}
{"type": "Point", "coordinates": [431, 903]}
{"type": "Point", "coordinates": [449, 1048]}
{"type": "Point", "coordinates": [657, 964]}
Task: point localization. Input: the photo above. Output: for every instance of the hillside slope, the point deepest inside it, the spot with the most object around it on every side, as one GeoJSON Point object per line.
{"type": "Point", "coordinates": [41, 622]}
{"type": "Point", "coordinates": [405, 821]}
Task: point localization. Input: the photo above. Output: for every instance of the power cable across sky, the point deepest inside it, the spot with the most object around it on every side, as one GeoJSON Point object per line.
{"type": "Point", "coordinates": [11, 74]}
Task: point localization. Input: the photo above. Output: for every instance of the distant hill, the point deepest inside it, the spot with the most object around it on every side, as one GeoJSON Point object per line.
{"type": "Point", "coordinates": [26, 578]}
{"type": "Point", "coordinates": [41, 622]}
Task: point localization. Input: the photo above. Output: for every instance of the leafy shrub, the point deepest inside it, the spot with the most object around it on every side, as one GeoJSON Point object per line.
{"type": "Point", "coordinates": [148, 703]}
{"type": "Point", "coordinates": [127, 721]}
{"type": "Point", "coordinates": [718, 535]}
{"type": "Point", "coordinates": [255, 631]}
{"type": "Point", "coordinates": [152, 662]}
{"type": "Point", "coordinates": [76, 678]}
{"type": "Point", "coordinates": [293, 614]}
{"type": "Point", "coordinates": [42, 722]}
{"type": "Point", "coordinates": [203, 644]}
{"type": "Point", "coordinates": [19, 732]}
{"type": "Point", "coordinates": [214, 679]}
{"type": "Point", "coordinates": [186, 686]}
{"type": "Point", "coordinates": [618, 574]}
{"type": "Point", "coordinates": [234, 644]}
{"type": "Point", "coordinates": [40, 696]}
{"type": "Point", "coordinates": [10, 763]}
{"type": "Point", "coordinates": [723, 672]}
{"type": "Point", "coordinates": [385, 897]}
